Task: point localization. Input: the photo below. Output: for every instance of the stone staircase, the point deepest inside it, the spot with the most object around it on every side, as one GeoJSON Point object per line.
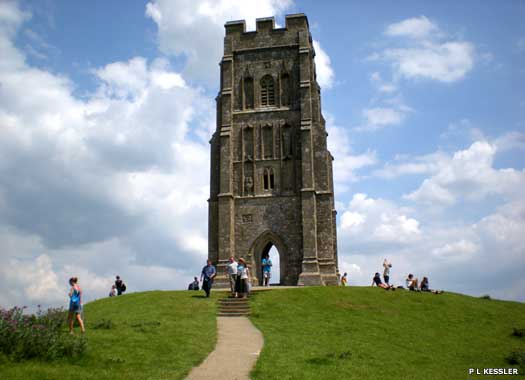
{"type": "Point", "coordinates": [233, 307]}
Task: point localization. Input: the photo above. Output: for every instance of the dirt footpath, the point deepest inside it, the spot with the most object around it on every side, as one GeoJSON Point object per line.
{"type": "Point", "coordinates": [238, 347]}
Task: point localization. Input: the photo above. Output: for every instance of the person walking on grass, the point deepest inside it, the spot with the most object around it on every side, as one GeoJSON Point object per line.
{"type": "Point", "coordinates": [75, 305]}
{"type": "Point", "coordinates": [267, 269]}
{"type": "Point", "coordinates": [232, 275]}
{"type": "Point", "coordinates": [386, 271]}
{"type": "Point", "coordinates": [207, 275]}
{"type": "Point", "coordinates": [344, 279]}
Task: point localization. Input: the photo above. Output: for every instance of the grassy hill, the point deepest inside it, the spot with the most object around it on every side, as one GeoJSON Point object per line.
{"type": "Point", "coordinates": [152, 335]}
{"type": "Point", "coordinates": [369, 333]}
{"type": "Point", "coordinates": [309, 333]}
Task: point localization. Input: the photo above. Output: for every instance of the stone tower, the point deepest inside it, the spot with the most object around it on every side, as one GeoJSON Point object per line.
{"type": "Point", "coordinates": [271, 172]}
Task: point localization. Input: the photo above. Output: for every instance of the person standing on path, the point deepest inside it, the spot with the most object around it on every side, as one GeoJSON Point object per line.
{"type": "Point", "coordinates": [386, 271]}
{"type": "Point", "coordinates": [232, 275]}
{"type": "Point", "coordinates": [267, 269]}
{"type": "Point", "coordinates": [75, 305]}
{"type": "Point", "coordinates": [207, 275]}
{"type": "Point", "coordinates": [241, 285]}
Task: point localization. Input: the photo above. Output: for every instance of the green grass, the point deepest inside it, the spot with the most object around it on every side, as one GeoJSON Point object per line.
{"type": "Point", "coordinates": [369, 333]}
{"type": "Point", "coordinates": [152, 335]}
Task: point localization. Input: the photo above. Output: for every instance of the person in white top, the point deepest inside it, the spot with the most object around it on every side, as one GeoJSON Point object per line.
{"type": "Point", "coordinates": [113, 291]}
{"type": "Point", "coordinates": [232, 274]}
{"type": "Point", "coordinates": [386, 271]}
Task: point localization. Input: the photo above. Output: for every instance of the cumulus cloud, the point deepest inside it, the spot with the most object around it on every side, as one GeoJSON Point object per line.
{"type": "Point", "coordinates": [379, 117]}
{"type": "Point", "coordinates": [325, 73]}
{"type": "Point", "coordinates": [426, 52]}
{"type": "Point", "coordinates": [374, 221]}
{"type": "Point", "coordinates": [195, 29]}
{"type": "Point", "coordinates": [113, 183]}
{"type": "Point", "coordinates": [417, 27]}
{"type": "Point", "coordinates": [469, 175]}
{"type": "Point", "coordinates": [346, 164]}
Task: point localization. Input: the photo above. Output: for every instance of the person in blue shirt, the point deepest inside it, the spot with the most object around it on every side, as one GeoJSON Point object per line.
{"type": "Point", "coordinates": [207, 275]}
{"type": "Point", "coordinates": [75, 305]}
{"type": "Point", "coordinates": [267, 269]}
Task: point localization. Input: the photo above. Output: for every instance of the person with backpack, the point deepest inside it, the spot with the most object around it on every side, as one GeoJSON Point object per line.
{"type": "Point", "coordinates": [75, 305]}
{"type": "Point", "coordinates": [121, 287]}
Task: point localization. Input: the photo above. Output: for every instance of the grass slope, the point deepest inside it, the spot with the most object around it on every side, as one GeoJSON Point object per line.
{"type": "Point", "coordinates": [368, 333]}
{"type": "Point", "coordinates": [155, 335]}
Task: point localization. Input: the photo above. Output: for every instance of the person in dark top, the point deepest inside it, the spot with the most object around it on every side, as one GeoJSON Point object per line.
{"type": "Point", "coordinates": [194, 285]}
{"type": "Point", "coordinates": [118, 285]}
{"type": "Point", "coordinates": [207, 275]}
{"type": "Point", "coordinates": [377, 281]}
{"type": "Point", "coordinates": [425, 287]}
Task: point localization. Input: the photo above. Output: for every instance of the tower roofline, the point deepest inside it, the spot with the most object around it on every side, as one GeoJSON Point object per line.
{"type": "Point", "coordinates": [292, 21]}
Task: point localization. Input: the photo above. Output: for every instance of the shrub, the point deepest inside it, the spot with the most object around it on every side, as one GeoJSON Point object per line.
{"type": "Point", "coordinates": [41, 335]}
{"type": "Point", "coordinates": [518, 332]}
{"type": "Point", "coordinates": [517, 358]}
{"type": "Point", "coordinates": [485, 297]}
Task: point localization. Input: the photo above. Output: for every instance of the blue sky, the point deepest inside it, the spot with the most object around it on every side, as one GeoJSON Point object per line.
{"type": "Point", "coordinates": [106, 109]}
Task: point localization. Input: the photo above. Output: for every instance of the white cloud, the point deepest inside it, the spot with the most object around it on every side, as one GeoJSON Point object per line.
{"type": "Point", "coordinates": [469, 175]}
{"type": "Point", "coordinates": [428, 54]}
{"type": "Point", "coordinates": [371, 221]}
{"type": "Point", "coordinates": [325, 73]}
{"type": "Point", "coordinates": [195, 29]}
{"type": "Point", "coordinates": [115, 183]}
{"type": "Point", "coordinates": [417, 27]}
{"type": "Point", "coordinates": [346, 164]}
{"type": "Point", "coordinates": [379, 117]}
{"type": "Point", "coordinates": [446, 62]}
{"type": "Point", "coordinates": [461, 249]}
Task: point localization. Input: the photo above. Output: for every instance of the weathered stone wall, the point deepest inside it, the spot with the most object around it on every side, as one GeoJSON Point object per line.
{"type": "Point", "coordinates": [271, 172]}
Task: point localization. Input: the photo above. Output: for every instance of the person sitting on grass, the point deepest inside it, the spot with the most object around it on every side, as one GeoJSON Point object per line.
{"type": "Point", "coordinates": [412, 283]}
{"type": "Point", "coordinates": [377, 281]}
{"type": "Point", "coordinates": [425, 287]}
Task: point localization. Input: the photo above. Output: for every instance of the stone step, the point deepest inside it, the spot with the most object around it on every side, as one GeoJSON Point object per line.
{"type": "Point", "coordinates": [233, 305]}
{"type": "Point", "coordinates": [243, 302]}
{"type": "Point", "coordinates": [234, 310]}
{"type": "Point", "coordinates": [233, 314]}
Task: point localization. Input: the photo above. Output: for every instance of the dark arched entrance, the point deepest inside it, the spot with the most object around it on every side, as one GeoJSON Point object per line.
{"type": "Point", "coordinates": [260, 248]}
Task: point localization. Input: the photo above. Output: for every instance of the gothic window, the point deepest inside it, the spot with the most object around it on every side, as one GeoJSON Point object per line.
{"type": "Point", "coordinates": [267, 141]}
{"type": "Point", "coordinates": [287, 141]}
{"type": "Point", "coordinates": [268, 179]}
{"type": "Point", "coordinates": [248, 93]}
{"type": "Point", "coordinates": [285, 89]}
{"type": "Point", "coordinates": [248, 143]}
{"type": "Point", "coordinates": [267, 91]}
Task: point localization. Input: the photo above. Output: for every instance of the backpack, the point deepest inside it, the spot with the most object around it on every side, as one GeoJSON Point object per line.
{"type": "Point", "coordinates": [123, 287]}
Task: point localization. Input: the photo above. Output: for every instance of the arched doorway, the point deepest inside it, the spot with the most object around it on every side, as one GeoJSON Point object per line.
{"type": "Point", "coordinates": [269, 243]}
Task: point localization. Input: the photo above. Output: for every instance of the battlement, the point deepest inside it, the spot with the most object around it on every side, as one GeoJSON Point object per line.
{"type": "Point", "coordinates": [297, 21]}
